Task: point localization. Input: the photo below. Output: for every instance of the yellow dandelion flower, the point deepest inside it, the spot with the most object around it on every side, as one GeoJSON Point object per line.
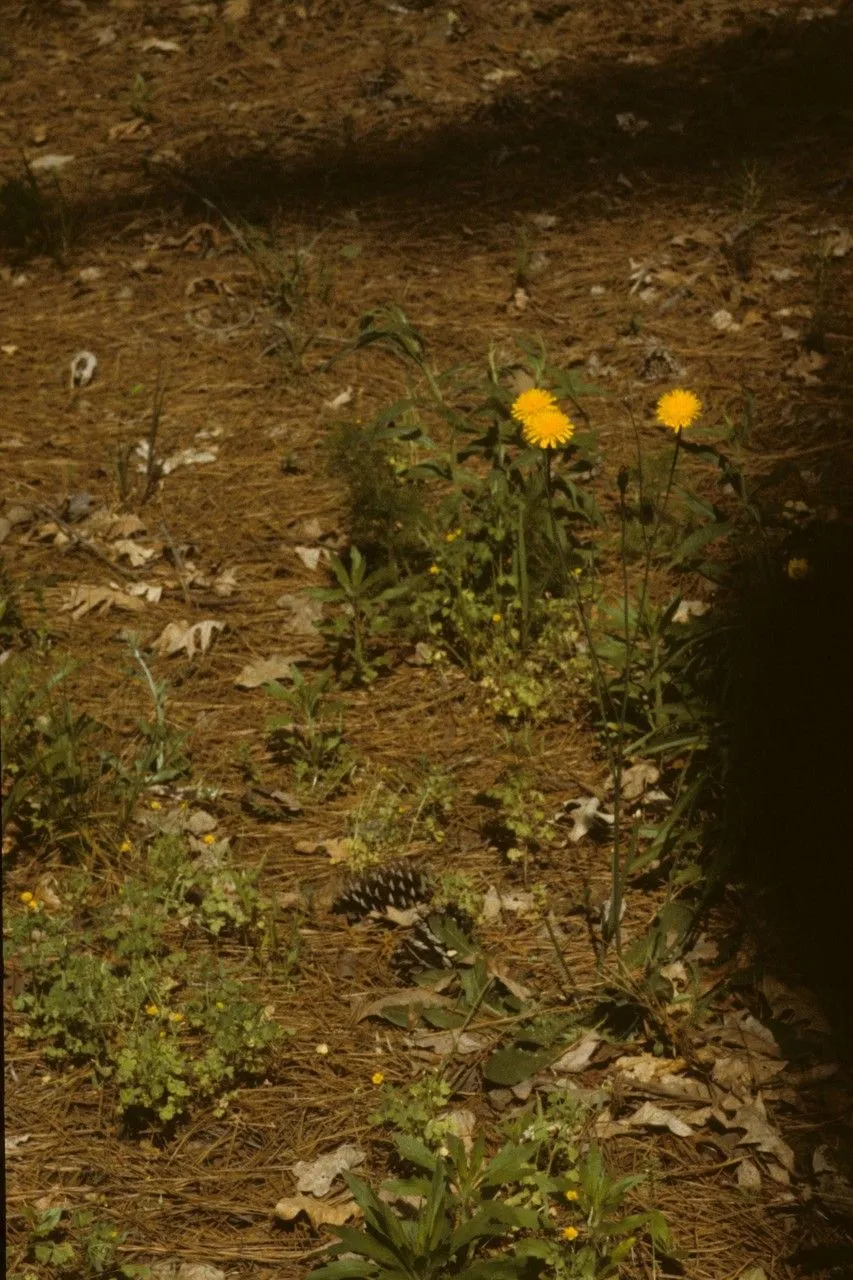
{"type": "Point", "coordinates": [155, 804]}
{"type": "Point", "coordinates": [125, 846]}
{"type": "Point", "coordinates": [497, 617]}
{"type": "Point", "coordinates": [434, 569]}
{"type": "Point", "coordinates": [547, 429]}
{"type": "Point", "coordinates": [176, 1017]}
{"type": "Point", "coordinates": [571, 1195]}
{"type": "Point", "coordinates": [678, 409]}
{"type": "Point", "coordinates": [27, 897]}
{"type": "Point", "coordinates": [152, 1010]}
{"type": "Point", "coordinates": [796, 568]}
{"type": "Point", "coordinates": [570, 1233]}
{"type": "Point", "coordinates": [219, 1004]}
{"type": "Point", "coordinates": [210, 838]}
{"type": "Point", "coordinates": [377, 1078]}
{"type": "Point", "coordinates": [34, 905]}
{"type": "Point", "coordinates": [530, 403]}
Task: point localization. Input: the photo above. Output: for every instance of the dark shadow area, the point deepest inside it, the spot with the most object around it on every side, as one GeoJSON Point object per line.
{"type": "Point", "coordinates": [780, 91]}
{"type": "Point", "coordinates": [791, 780]}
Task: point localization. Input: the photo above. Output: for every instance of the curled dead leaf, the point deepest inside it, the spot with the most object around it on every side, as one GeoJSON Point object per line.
{"type": "Point", "coordinates": [193, 639]}
{"type": "Point", "coordinates": [320, 1212]}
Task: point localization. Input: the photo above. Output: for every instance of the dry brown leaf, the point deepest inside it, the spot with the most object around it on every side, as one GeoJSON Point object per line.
{"type": "Point", "coordinates": [236, 10]}
{"type": "Point", "coordinates": [576, 1058]}
{"type": "Point", "coordinates": [395, 999]}
{"type": "Point", "coordinates": [445, 1043]}
{"type": "Point", "coordinates": [125, 548]}
{"type": "Point", "coordinates": [195, 638]}
{"type": "Point", "coordinates": [265, 670]}
{"type": "Point", "coordinates": [748, 1176]}
{"type": "Point", "coordinates": [321, 1212]}
{"type": "Point", "coordinates": [316, 1176]}
{"type": "Point", "coordinates": [85, 599]}
{"type": "Point", "coordinates": [648, 1115]}
{"type": "Point", "coordinates": [758, 1132]}
{"type": "Point", "coordinates": [301, 613]}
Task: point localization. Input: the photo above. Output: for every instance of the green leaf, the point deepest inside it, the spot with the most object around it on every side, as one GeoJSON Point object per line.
{"type": "Point", "coordinates": [415, 1151]}
{"type": "Point", "coordinates": [511, 1066]}
{"type": "Point", "coordinates": [509, 1164]}
{"type": "Point", "coordinates": [345, 1269]}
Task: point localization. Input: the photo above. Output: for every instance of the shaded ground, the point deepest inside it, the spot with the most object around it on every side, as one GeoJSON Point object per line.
{"type": "Point", "coordinates": [612, 179]}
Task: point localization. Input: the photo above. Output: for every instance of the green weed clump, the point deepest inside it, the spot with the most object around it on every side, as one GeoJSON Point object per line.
{"type": "Point", "coordinates": [114, 987]}
{"type": "Point", "coordinates": [534, 1207]}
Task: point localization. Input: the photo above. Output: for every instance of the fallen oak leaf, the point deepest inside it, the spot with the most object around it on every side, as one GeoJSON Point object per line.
{"type": "Point", "coordinates": [317, 1176]}
{"type": "Point", "coordinates": [321, 1213]}
{"type": "Point", "coordinates": [84, 599]}
{"type": "Point", "coordinates": [278, 666]}
{"type": "Point", "coordinates": [195, 638]}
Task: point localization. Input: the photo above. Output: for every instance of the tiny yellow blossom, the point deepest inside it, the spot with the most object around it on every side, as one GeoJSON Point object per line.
{"type": "Point", "coordinates": [377, 1078]}
{"type": "Point", "coordinates": [531, 403]}
{"type": "Point", "coordinates": [152, 1010]}
{"type": "Point", "coordinates": [125, 846]}
{"type": "Point", "coordinates": [219, 1004]}
{"type": "Point", "coordinates": [27, 897]}
{"type": "Point", "coordinates": [570, 1233]}
{"type": "Point", "coordinates": [678, 409]}
{"type": "Point", "coordinates": [322, 1050]}
{"type": "Point", "coordinates": [155, 804]}
{"type": "Point", "coordinates": [796, 568]}
{"type": "Point", "coordinates": [571, 1195]}
{"type": "Point", "coordinates": [34, 905]}
{"type": "Point", "coordinates": [497, 617]}
{"type": "Point", "coordinates": [210, 838]}
{"type": "Point", "coordinates": [176, 1017]}
{"type": "Point", "coordinates": [433, 569]}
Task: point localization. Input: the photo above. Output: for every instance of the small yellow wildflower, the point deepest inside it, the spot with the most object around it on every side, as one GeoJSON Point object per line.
{"type": "Point", "coordinates": [571, 1195]}
{"type": "Point", "coordinates": [176, 1017]}
{"type": "Point", "coordinates": [210, 838]}
{"type": "Point", "coordinates": [152, 1010]}
{"type": "Point", "coordinates": [678, 409]}
{"type": "Point", "coordinates": [531, 403]}
{"type": "Point", "coordinates": [377, 1078]}
{"type": "Point", "coordinates": [570, 1233]}
{"type": "Point", "coordinates": [796, 568]}
{"type": "Point", "coordinates": [35, 905]}
{"type": "Point", "coordinates": [547, 429]}
{"type": "Point", "coordinates": [497, 617]}
{"type": "Point", "coordinates": [453, 535]}
{"type": "Point", "coordinates": [155, 804]}
{"type": "Point", "coordinates": [219, 1004]}
{"type": "Point", "coordinates": [125, 847]}
{"type": "Point", "coordinates": [322, 1050]}
{"type": "Point", "coordinates": [434, 569]}
{"type": "Point", "coordinates": [27, 897]}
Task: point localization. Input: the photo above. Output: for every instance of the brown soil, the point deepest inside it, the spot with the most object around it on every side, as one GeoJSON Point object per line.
{"type": "Point", "coordinates": [690, 160]}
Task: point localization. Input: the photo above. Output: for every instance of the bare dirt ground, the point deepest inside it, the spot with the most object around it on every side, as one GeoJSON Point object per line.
{"type": "Point", "coordinates": [236, 186]}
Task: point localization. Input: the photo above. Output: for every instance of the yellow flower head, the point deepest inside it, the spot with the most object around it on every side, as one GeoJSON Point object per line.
{"type": "Point", "coordinates": [497, 617]}
{"type": "Point", "coordinates": [547, 429]}
{"type": "Point", "coordinates": [797, 567]}
{"type": "Point", "coordinates": [210, 838]}
{"type": "Point", "coordinates": [155, 804]}
{"type": "Point", "coordinates": [27, 897]}
{"type": "Point", "coordinates": [571, 1195]}
{"type": "Point", "coordinates": [570, 1233]}
{"type": "Point", "coordinates": [322, 1049]}
{"type": "Point", "coordinates": [678, 409]}
{"type": "Point", "coordinates": [176, 1017]}
{"type": "Point", "coordinates": [434, 569]}
{"type": "Point", "coordinates": [125, 846]}
{"type": "Point", "coordinates": [151, 1010]}
{"type": "Point", "coordinates": [34, 905]}
{"type": "Point", "coordinates": [377, 1078]}
{"type": "Point", "coordinates": [529, 403]}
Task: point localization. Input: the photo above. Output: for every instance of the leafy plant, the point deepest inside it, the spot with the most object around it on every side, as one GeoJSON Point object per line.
{"type": "Point", "coordinates": [362, 615]}
{"type": "Point", "coordinates": [76, 1244]}
{"type": "Point", "coordinates": [310, 737]}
